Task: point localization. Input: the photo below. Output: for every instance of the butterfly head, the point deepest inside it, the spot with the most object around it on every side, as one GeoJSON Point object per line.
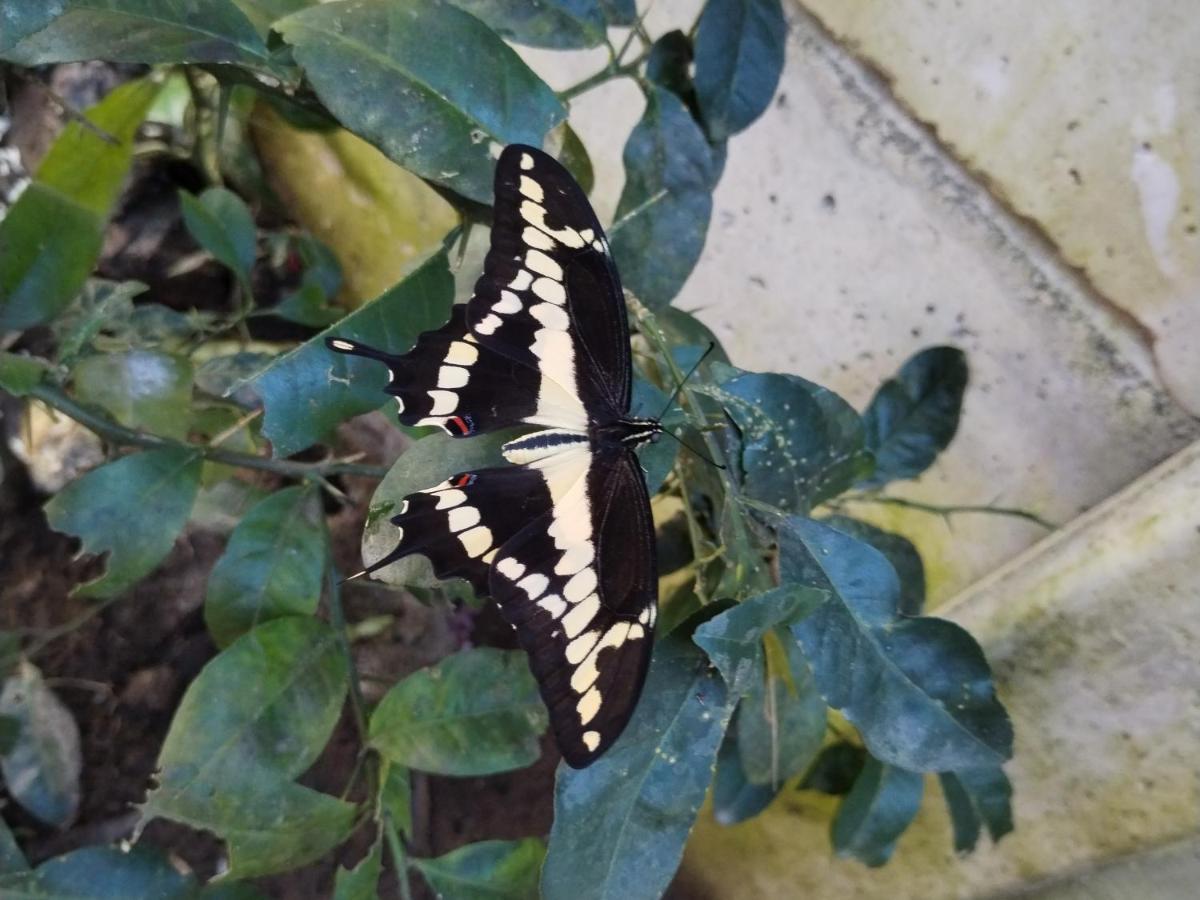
{"type": "Point", "coordinates": [635, 431]}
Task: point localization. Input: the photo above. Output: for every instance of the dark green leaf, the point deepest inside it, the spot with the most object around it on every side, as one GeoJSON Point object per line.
{"type": "Point", "coordinates": [103, 305]}
{"type": "Point", "coordinates": [667, 200]}
{"type": "Point", "coordinates": [273, 566]}
{"type": "Point", "coordinates": [975, 797]}
{"type": "Point", "coordinates": [735, 799]}
{"type": "Point", "coordinates": [310, 390]}
{"type": "Point", "coordinates": [11, 857]}
{"type": "Point", "coordinates": [913, 417]}
{"type": "Point", "coordinates": [489, 870]}
{"type": "Point", "coordinates": [683, 329]}
{"type": "Point", "coordinates": [669, 65]}
{"type": "Point", "coordinates": [474, 713]}
{"type": "Point", "coordinates": [558, 24]}
{"type": "Point", "coordinates": [620, 824]}
{"type": "Point", "coordinates": [430, 85]}
{"type": "Point", "coordinates": [100, 873]}
{"type": "Point", "coordinates": [51, 237]}
{"type": "Point", "coordinates": [309, 303]}
{"type": "Point", "coordinates": [221, 223]}
{"type": "Point", "coordinates": [918, 689]}
{"type": "Point", "coordinates": [137, 31]}
{"type": "Point", "coordinates": [41, 769]}
{"type": "Point", "coordinates": [396, 796]}
{"type": "Point", "coordinates": [133, 509]}
{"type": "Point", "coordinates": [619, 12]}
{"type": "Point", "coordinates": [360, 883]}
{"type": "Point", "coordinates": [882, 803]}
{"type": "Point", "coordinates": [21, 374]}
{"type": "Point", "coordinates": [255, 718]}
{"type": "Point", "coordinates": [564, 145]}
{"type": "Point", "coordinates": [835, 770]}
{"type": "Point", "coordinates": [800, 443]}
{"type": "Point", "coordinates": [225, 376]}
{"type": "Point", "coordinates": [899, 552]}
{"type": "Point", "coordinates": [733, 639]}
{"type": "Point", "coordinates": [656, 457]}
{"type": "Point", "coordinates": [429, 461]}
{"type": "Point", "coordinates": [780, 725]}
{"type": "Point", "coordinates": [265, 13]}
{"type": "Point", "coordinates": [144, 390]}
{"type": "Point", "coordinates": [739, 57]}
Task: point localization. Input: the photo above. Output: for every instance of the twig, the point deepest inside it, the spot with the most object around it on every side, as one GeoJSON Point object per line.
{"type": "Point", "coordinates": [947, 511]}
{"type": "Point", "coordinates": [49, 635]}
{"type": "Point", "coordinates": [608, 73]}
{"type": "Point", "coordinates": [115, 433]}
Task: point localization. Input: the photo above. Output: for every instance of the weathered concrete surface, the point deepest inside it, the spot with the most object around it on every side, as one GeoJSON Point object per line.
{"type": "Point", "coordinates": [1095, 642]}
{"type": "Point", "coordinates": [1085, 116]}
{"type": "Point", "coordinates": [844, 239]}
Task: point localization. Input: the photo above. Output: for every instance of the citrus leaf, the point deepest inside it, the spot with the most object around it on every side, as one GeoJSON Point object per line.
{"type": "Point", "coordinates": [136, 31]}
{"type": "Point", "coordinates": [739, 58]}
{"type": "Point", "coordinates": [913, 417]}
{"type": "Point", "coordinates": [221, 223]}
{"type": "Point", "coordinates": [565, 145]}
{"type": "Point", "coordinates": [272, 566]}
{"type": "Point", "coordinates": [427, 83]}
{"type": "Point", "coordinates": [488, 870]}
{"type": "Point", "coordinates": [620, 824]}
{"type": "Point", "coordinates": [255, 718]}
{"type": "Point", "coordinates": [619, 12]}
{"type": "Point", "coordinates": [977, 797]}
{"type": "Point", "coordinates": [142, 389]}
{"type": "Point", "coordinates": [361, 882]}
{"type": "Point", "coordinates": [429, 461]}
{"type": "Point", "coordinates": [133, 509]}
{"type": "Point", "coordinates": [733, 639]}
{"type": "Point", "coordinates": [100, 873]}
{"type": "Point", "coordinates": [735, 799]}
{"type": "Point", "coordinates": [395, 795]}
{"type": "Point", "coordinates": [11, 857]}
{"type": "Point", "coordinates": [21, 374]}
{"type": "Point", "coordinates": [51, 237]}
{"type": "Point", "coordinates": [882, 803]}
{"type": "Point", "coordinates": [918, 689]}
{"type": "Point", "coordinates": [557, 24]}
{"type": "Point", "coordinates": [41, 768]}
{"type": "Point", "coordinates": [311, 389]}
{"type": "Point", "coordinates": [800, 443]}
{"type": "Point", "coordinates": [667, 200]}
{"type": "Point", "coordinates": [899, 552]}
{"type": "Point", "coordinates": [474, 713]}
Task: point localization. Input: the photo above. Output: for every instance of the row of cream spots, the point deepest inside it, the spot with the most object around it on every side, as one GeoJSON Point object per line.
{"type": "Point", "coordinates": [453, 373]}
{"type": "Point", "coordinates": [463, 521]}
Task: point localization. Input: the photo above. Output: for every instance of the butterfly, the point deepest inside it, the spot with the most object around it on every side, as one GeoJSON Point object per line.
{"type": "Point", "coordinates": [562, 537]}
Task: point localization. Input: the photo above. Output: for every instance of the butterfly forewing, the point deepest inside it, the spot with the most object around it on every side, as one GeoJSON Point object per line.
{"type": "Point", "coordinates": [563, 537]}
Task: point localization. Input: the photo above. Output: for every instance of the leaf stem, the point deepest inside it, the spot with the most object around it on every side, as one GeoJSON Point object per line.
{"type": "Point", "coordinates": [947, 511]}
{"type": "Point", "coordinates": [115, 433]}
{"type": "Point", "coordinates": [399, 856]}
{"type": "Point", "coordinates": [608, 73]}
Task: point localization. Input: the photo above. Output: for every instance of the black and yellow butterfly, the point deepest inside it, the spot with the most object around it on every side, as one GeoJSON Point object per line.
{"type": "Point", "coordinates": [563, 539]}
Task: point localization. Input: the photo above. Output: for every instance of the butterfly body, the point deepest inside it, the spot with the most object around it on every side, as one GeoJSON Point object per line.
{"type": "Point", "coordinates": [562, 537]}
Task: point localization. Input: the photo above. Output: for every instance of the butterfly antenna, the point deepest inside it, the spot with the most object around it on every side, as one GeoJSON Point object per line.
{"type": "Point", "coordinates": [690, 373]}
{"type": "Point", "coordinates": [704, 456]}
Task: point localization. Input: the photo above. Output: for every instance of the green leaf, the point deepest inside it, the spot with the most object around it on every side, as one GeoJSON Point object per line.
{"type": "Point", "coordinates": [361, 882]}
{"type": "Point", "coordinates": [322, 279]}
{"type": "Point", "coordinates": [51, 237]}
{"type": "Point", "coordinates": [428, 84]}
{"type": "Point", "coordinates": [977, 797]}
{"type": "Point", "coordinates": [272, 566]}
{"type": "Point", "coordinates": [101, 873]}
{"type": "Point", "coordinates": [620, 824]}
{"type": "Point", "coordinates": [780, 725]}
{"type": "Point", "coordinates": [310, 390]}
{"type": "Point", "coordinates": [136, 31]}
{"type": "Point", "coordinates": [913, 417]}
{"type": "Point", "coordinates": [734, 798]}
{"type": "Point", "coordinates": [255, 718]}
{"type": "Point", "coordinates": [835, 770]}
{"type": "Point", "coordinates": [265, 13]}
{"type": "Point", "coordinates": [918, 689]}
{"type": "Point", "coordinates": [11, 858]}
{"type": "Point", "coordinates": [221, 223]}
{"type": "Point", "coordinates": [21, 374]}
{"type": "Point", "coordinates": [41, 769]}
{"type": "Point", "coordinates": [133, 509]}
{"type": "Point", "coordinates": [474, 713]}
{"type": "Point", "coordinates": [144, 390]}
{"type": "Point", "coordinates": [739, 57]}
{"type": "Point", "coordinates": [899, 552]}
{"type": "Point", "coordinates": [733, 639]}
{"type": "Point", "coordinates": [666, 202]}
{"type": "Point", "coordinates": [396, 796]}
{"type": "Point", "coordinates": [657, 457]}
{"type": "Point", "coordinates": [564, 145]}
{"type": "Point", "coordinates": [488, 870]}
{"type": "Point", "coordinates": [619, 12]}
{"type": "Point", "coordinates": [102, 306]}
{"type": "Point", "coordinates": [800, 443]}
{"type": "Point", "coordinates": [429, 461]}
{"type": "Point", "coordinates": [669, 65]}
{"type": "Point", "coordinates": [882, 803]}
{"type": "Point", "coordinates": [226, 376]}
{"type": "Point", "coordinates": [557, 24]}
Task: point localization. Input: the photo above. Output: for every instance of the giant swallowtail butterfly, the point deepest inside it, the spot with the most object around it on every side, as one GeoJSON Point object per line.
{"type": "Point", "coordinates": [562, 539]}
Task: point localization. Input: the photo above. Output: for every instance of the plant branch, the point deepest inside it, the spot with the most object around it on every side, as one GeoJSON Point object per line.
{"type": "Point", "coordinates": [947, 511]}
{"type": "Point", "coordinates": [608, 73]}
{"type": "Point", "coordinates": [116, 433]}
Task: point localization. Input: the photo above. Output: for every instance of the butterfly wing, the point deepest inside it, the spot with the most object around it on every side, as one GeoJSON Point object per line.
{"type": "Point", "coordinates": [580, 588]}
